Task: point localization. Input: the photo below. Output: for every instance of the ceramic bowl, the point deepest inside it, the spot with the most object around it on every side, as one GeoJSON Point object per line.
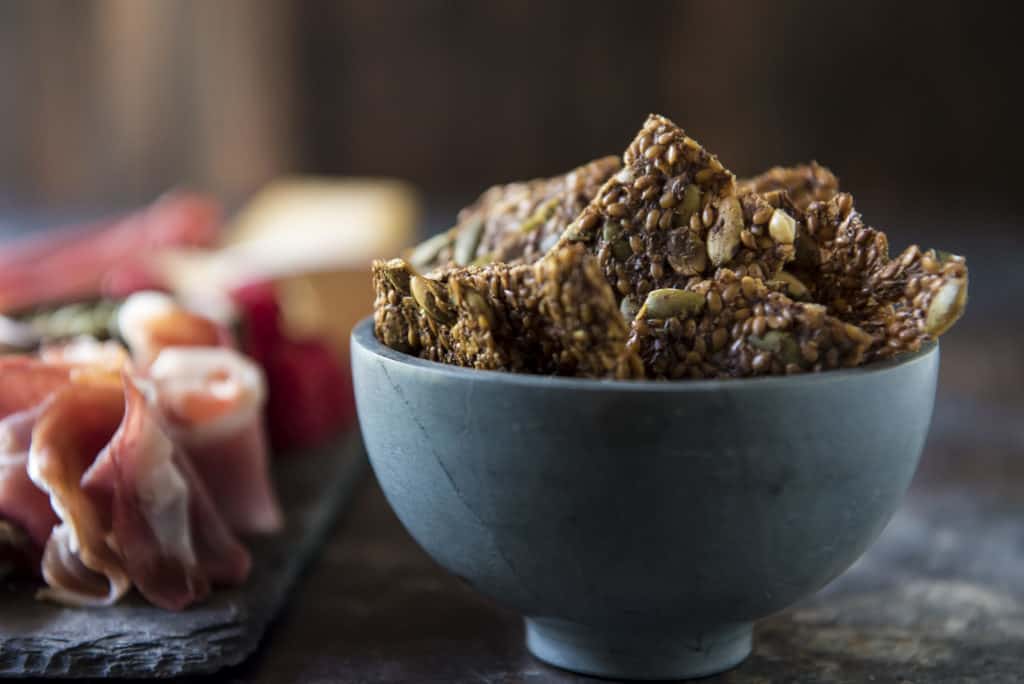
{"type": "Point", "coordinates": [642, 527]}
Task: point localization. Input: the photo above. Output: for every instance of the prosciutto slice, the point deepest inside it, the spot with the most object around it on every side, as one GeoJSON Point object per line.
{"type": "Point", "coordinates": [76, 423]}
{"type": "Point", "coordinates": [109, 257]}
{"type": "Point", "coordinates": [108, 458]}
{"type": "Point", "coordinates": [211, 401]}
{"type": "Point", "coordinates": [25, 382]}
{"type": "Point", "coordinates": [25, 514]}
{"type": "Point", "coordinates": [150, 321]}
{"type": "Point", "coordinates": [174, 542]}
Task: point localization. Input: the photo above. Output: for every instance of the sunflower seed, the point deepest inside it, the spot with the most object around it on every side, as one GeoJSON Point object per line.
{"type": "Point", "coordinates": [724, 236]}
{"type": "Point", "coordinates": [782, 227]}
{"type": "Point", "coordinates": [628, 307]}
{"type": "Point", "coordinates": [794, 288]}
{"type": "Point", "coordinates": [946, 307]}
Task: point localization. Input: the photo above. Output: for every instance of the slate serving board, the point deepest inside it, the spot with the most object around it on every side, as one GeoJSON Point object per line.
{"type": "Point", "coordinates": [134, 639]}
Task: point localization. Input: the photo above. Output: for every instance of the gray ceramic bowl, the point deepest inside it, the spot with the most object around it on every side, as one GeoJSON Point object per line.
{"type": "Point", "coordinates": [642, 527]}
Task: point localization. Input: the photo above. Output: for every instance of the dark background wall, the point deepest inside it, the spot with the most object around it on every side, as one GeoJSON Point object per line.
{"type": "Point", "coordinates": [110, 101]}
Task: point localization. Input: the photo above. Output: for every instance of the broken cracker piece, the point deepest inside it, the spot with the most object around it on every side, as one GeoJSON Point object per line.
{"type": "Point", "coordinates": [516, 222]}
{"type": "Point", "coordinates": [557, 316]}
{"type": "Point", "coordinates": [903, 302]}
{"type": "Point", "coordinates": [805, 183]}
{"type": "Point", "coordinates": [736, 326]}
{"type": "Point", "coordinates": [646, 224]}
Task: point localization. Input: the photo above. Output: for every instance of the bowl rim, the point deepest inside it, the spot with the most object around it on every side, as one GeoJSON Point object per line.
{"type": "Point", "coordinates": [363, 337]}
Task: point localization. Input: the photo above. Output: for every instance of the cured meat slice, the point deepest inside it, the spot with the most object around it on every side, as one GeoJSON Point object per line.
{"type": "Point", "coordinates": [174, 542]}
{"type": "Point", "coordinates": [25, 382]}
{"type": "Point", "coordinates": [106, 257]}
{"type": "Point", "coordinates": [25, 513]}
{"type": "Point", "coordinates": [76, 423]}
{"type": "Point", "coordinates": [150, 321]}
{"type": "Point", "coordinates": [25, 510]}
{"type": "Point", "coordinates": [211, 402]}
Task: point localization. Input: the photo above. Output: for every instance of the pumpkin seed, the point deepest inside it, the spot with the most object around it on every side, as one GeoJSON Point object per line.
{"type": "Point", "coordinates": [539, 217]}
{"type": "Point", "coordinates": [669, 303]}
{"type": "Point", "coordinates": [432, 297]}
{"type": "Point", "coordinates": [944, 257]}
{"type": "Point", "coordinates": [426, 253]}
{"type": "Point", "coordinates": [397, 273]}
{"type": "Point", "coordinates": [611, 230]}
{"type": "Point", "coordinates": [478, 306]}
{"type": "Point", "coordinates": [467, 240]}
{"type": "Point", "coordinates": [621, 250]}
{"type": "Point", "coordinates": [693, 261]}
{"type": "Point", "coordinates": [779, 343]}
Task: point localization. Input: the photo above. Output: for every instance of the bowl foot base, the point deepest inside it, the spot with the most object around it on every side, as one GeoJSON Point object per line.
{"type": "Point", "coordinates": [634, 654]}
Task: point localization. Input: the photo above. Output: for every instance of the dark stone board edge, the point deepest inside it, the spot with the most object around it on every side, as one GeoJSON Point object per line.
{"type": "Point", "coordinates": [134, 639]}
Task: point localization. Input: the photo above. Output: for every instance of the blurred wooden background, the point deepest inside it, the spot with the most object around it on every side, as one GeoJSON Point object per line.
{"type": "Point", "coordinates": [112, 100]}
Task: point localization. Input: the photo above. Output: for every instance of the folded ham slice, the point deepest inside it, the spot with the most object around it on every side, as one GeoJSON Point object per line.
{"type": "Point", "coordinates": [75, 425]}
{"type": "Point", "coordinates": [108, 460]}
{"type": "Point", "coordinates": [25, 513]}
{"type": "Point", "coordinates": [150, 321]}
{"type": "Point", "coordinates": [132, 509]}
{"type": "Point", "coordinates": [25, 382]}
{"type": "Point", "coordinates": [111, 256]}
{"type": "Point", "coordinates": [211, 401]}
{"type": "Point", "coordinates": [174, 542]}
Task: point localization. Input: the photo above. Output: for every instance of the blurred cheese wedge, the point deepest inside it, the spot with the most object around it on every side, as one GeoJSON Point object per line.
{"type": "Point", "coordinates": [315, 238]}
{"type": "Point", "coordinates": [318, 222]}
